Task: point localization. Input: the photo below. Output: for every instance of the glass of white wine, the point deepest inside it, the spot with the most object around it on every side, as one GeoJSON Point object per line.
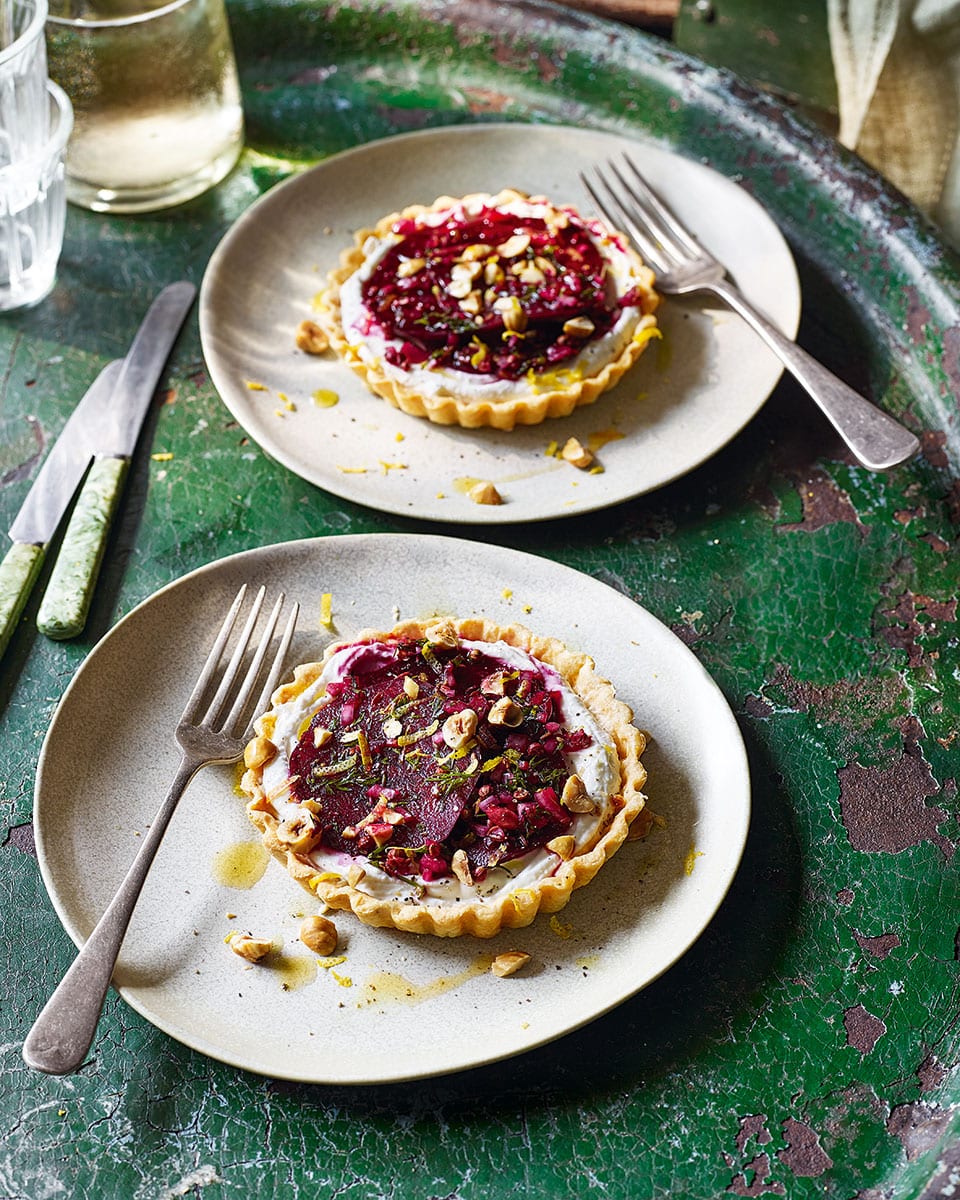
{"type": "Point", "coordinates": [157, 111]}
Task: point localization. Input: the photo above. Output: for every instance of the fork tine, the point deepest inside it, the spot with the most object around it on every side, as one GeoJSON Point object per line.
{"type": "Point", "coordinates": [626, 221]}
{"type": "Point", "coordinates": [253, 671]}
{"type": "Point", "coordinates": [213, 659]}
{"type": "Point", "coordinates": [651, 201]}
{"type": "Point", "coordinates": [263, 700]}
{"type": "Point", "coordinates": [243, 693]}
{"type": "Point", "coordinates": [236, 661]}
{"type": "Point", "coordinates": [601, 207]}
{"type": "Point", "coordinates": [649, 217]}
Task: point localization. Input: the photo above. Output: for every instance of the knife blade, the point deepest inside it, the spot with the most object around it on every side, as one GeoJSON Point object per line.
{"type": "Point", "coordinates": [46, 502]}
{"type": "Point", "coordinates": [66, 602]}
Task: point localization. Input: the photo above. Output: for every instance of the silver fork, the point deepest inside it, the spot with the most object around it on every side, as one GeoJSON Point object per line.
{"type": "Point", "coordinates": [62, 1033]}
{"type": "Point", "coordinates": [682, 265]}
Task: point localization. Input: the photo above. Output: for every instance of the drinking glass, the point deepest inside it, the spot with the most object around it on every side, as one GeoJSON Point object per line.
{"type": "Point", "coordinates": [156, 99]}
{"type": "Point", "coordinates": [23, 78]}
{"type": "Point", "coordinates": [32, 209]}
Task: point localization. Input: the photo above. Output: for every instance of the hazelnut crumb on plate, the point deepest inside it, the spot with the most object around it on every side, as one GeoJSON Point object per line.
{"type": "Point", "coordinates": [245, 945]}
{"type": "Point", "coordinates": [509, 963]}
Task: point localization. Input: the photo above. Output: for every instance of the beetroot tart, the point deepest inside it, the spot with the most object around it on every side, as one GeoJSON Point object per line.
{"type": "Point", "coordinates": [456, 778]}
{"type": "Point", "coordinates": [489, 309]}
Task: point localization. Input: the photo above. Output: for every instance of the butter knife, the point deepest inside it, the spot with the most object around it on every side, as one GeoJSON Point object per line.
{"type": "Point", "coordinates": [46, 502]}
{"type": "Point", "coordinates": [66, 602]}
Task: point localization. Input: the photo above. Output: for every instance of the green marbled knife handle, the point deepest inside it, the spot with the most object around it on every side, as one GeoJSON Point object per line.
{"type": "Point", "coordinates": [63, 610]}
{"type": "Point", "coordinates": [18, 574]}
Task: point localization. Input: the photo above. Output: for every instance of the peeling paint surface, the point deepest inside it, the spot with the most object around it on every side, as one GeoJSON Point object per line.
{"type": "Point", "coordinates": [807, 1045]}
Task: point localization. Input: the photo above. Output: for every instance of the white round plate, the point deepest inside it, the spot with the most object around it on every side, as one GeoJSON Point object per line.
{"type": "Point", "coordinates": [398, 1006]}
{"type": "Point", "coordinates": [686, 397]}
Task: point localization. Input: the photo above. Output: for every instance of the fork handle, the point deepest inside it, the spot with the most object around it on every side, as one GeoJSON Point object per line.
{"type": "Point", "coordinates": [62, 1033]}
{"type": "Point", "coordinates": [875, 438]}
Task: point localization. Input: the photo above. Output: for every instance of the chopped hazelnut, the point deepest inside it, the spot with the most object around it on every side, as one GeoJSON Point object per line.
{"type": "Point", "coordinates": [514, 245]}
{"type": "Point", "coordinates": [576, 454]}
{"type": "Point", "coordinates": [442, 634]}
{"type": "Point", "coordinates": [575, 796]}
{"type": "Point", "coordinates": [466, 270]}
{"type": "Point", "coordinates": [410, 687]}
{"type": "Point", "coordinates": [410, 266]}
{"type": "Point", "coordinates": [392, 728]}
{"type": "Point", "coordinates": [321, 736]}
{"type": "Point", "coordinates": [505, 712]}
{"type": "Point", "coordinates": [249, 947]}
{"type": "Point", "coordinates": [298, 833]}
{"type": "Point", "coordinates": [355, 873]}
{"type": "Point", "coordinates": [459, 728]}
{"type": "Point", "coordinates": [470, 304]}
{"type": "Point", "coordinates": [258, 752]}
{"type": "Point", "coordinates": [494, 685]}
{"type": "Point", "coordinates": [311, 338]}
{"type": "Point", "coordinates": [579, 327]}
{"type": "Point", "coordinates": [509, 963]}
{"type": "Point", "coordinates": [512, 314]}
{"type": "Point", "coordinates": [319, 935]}
{"type": "Point", "coordinates": [484, 492]}
{"type": "Point", "coordinates": [460, 865]}
{"type": "Point", "coordinates": [493, 274]}
{"type": "Point", "coordinates": [459, 287]}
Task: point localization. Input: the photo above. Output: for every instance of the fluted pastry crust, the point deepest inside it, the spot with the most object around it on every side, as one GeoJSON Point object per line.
{"type": "Point", "coordinates": [476, 914]}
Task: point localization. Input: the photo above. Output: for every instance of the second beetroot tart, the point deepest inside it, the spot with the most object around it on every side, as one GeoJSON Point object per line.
{"type": "Point", "coordinates": [452, 778]}
{"type": "Point", "coordinates": [491, 310]}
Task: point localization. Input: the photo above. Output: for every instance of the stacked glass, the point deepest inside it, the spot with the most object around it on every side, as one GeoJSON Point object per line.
{"type": "Point", "coordinates": [35, 122]}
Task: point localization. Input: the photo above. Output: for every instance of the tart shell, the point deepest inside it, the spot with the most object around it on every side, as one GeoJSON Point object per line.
{"type": "Point", "coordinates": [482, 917]}
{"type": "Point", "coordinates": [557, 397]}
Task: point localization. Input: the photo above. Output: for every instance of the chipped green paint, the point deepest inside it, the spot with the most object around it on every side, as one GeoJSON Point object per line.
{"type": "Point", "coordinates": [808, 1044]}
{"type": "Point", "coordinates": [786, 47]}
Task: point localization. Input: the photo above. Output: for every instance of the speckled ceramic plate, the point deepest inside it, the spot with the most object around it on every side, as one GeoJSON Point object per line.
{"type": "Point", "coordinates": [686, 397]}
{"type": "Point", "coordinates": [397, 1006]}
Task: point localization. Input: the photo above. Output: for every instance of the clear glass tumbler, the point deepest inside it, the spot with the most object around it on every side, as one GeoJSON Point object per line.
{"type": "Point", "coordinates": [33, 208]}
{"type": "Point", "coordinates": [23, 78]}
{"type": "Point", "coordinates": [156, 99]}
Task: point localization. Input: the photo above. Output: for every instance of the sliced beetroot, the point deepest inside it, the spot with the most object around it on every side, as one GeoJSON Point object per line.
{"type": "Point", "coordinates": [407, 294]}
{"type": "Point", "coordinates": [386, 785]}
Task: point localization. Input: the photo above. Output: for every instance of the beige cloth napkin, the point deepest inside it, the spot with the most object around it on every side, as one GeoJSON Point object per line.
{"type": "Point", "coordinates": [897, 65]}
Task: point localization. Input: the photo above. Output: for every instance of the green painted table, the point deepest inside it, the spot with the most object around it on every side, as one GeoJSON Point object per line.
{"type": "Point", "coordinates": [808, 1044]}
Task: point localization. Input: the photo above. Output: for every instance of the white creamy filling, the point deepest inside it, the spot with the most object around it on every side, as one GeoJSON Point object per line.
{"type": "Point", "coordinates": [369, 342]}
{"type": "Point", "coordinates": [597, 766]}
